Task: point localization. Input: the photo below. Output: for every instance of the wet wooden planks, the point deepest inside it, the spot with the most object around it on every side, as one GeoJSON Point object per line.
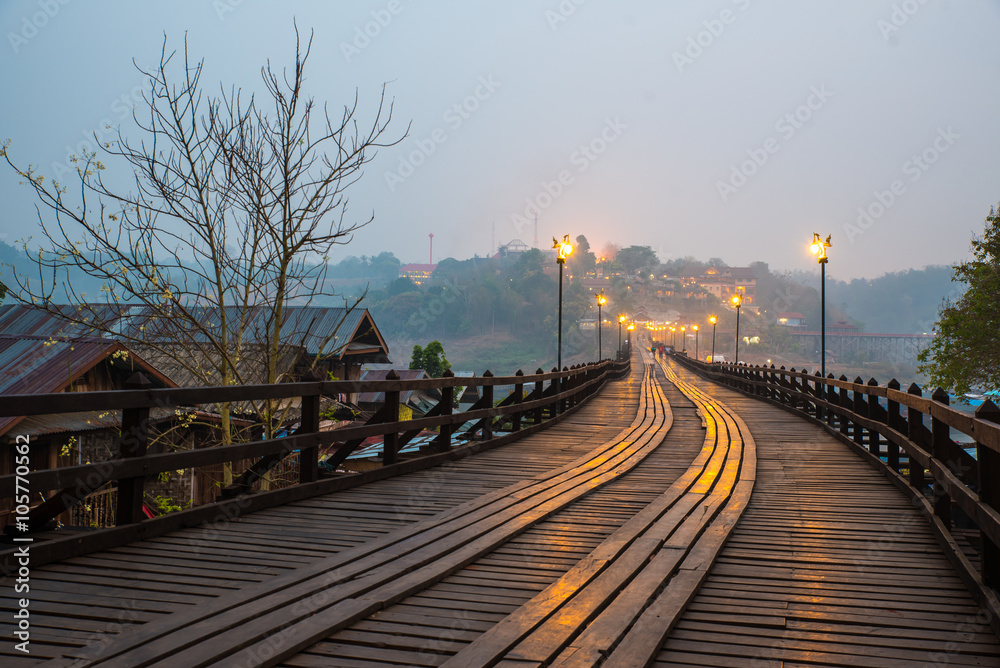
{"type": "Point", "coordinates": [433, 625]}
{"type": "Point", "coordinates": [153, 578]}
{"type": "Point", "coordinates": [829, 566]}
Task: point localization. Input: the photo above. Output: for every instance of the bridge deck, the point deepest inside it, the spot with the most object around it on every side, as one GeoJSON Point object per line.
{"type": "Point", "coordinates": [830, 565]}
{"type": "Point", "coordinates": [89, 600]}
{"type": "Point", "coordinates": [582, 542]}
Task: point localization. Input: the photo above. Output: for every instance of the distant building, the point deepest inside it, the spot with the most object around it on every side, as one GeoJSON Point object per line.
{"type": "Point", "coordinates": [726, 281]}
{"type": "Point", "coordinates": [792, 319]}
{"type": "Point", "coordinates": [418, 273]}
{"type": "Point", "coordinates": [514, 247]}
{"type": "Point", "coordinates": [842, 327]}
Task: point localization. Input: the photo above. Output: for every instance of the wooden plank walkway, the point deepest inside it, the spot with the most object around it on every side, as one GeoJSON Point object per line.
{"type": "Point", "coordinates": [429, 627]}
{"type": "Point", "coordinates": [274, 619]}
{"type": "Point", "coordinates": [89, 600]}
{"type": "Point", "coordinates": [829, 566]}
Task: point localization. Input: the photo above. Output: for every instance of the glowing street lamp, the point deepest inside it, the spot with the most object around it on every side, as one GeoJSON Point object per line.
{"type": "Point", "coordinates": [818, 248]}
{"type": "Point", "coordinates": [630, 328]}
{"type": "Point", "coordinates": [697, 352]}
{"type": "Point", "coordinates": [601, 301]}
{"type": "Point", "coordinates": [621, 319]}
{"type": "Point", "coordinates": [737, 301]}
{"type": "Point", "coordinates": [565, 249]}
{"type": "Point", "coordinates": [673, 337]}
{"type": "Point", "coordinates": [684, 341]}
{"type": "Point", "coordinates": [714, 320]}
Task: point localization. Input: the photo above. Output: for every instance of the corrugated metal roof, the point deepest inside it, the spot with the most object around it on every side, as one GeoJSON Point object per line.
{"type": "Point", "coordinates": [40, 425]}
{"type": "Point", "coordinates": [319, 330]}
{"type": "Point", "coordinates": [380, 374]}
{"type": "Point", "coordinates": [42, 365]}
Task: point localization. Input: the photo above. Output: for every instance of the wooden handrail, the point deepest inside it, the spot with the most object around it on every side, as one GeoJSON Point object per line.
{"type": "Point", "coordinates": [134, 465]}
{"type": "Point", "coordinates": [938, 471]}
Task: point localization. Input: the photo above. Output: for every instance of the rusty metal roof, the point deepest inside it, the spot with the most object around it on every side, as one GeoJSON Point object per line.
{"type": "Point", "coordinates": [42, 425]}
{"type": "Point", "coordinates": [40, 365]}
{"type": "Point", "coordinates": [318, 330]}
{"type": "Point", "coordinates": [47, 364]}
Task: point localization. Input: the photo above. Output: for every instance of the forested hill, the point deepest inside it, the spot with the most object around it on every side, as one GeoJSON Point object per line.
{"type": "Point", "coordinates": [904, 302]}
{"type": "Point", "coordinates": [519, 295]}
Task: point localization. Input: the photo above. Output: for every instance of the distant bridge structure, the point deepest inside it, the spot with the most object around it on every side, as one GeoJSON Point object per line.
{"type": "Point", "coordinates": [896, 348]}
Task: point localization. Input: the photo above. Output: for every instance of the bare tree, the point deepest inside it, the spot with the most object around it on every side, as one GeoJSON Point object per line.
{"type": "Point", "coordinates": [234, 208]}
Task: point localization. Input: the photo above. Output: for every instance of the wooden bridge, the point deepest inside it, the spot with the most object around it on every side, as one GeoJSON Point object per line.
{"type": "Point", "coordinates": [680, 514]}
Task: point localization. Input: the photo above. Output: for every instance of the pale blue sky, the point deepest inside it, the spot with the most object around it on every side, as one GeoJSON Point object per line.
{"type": "Point", "coordinates": [675, 118]}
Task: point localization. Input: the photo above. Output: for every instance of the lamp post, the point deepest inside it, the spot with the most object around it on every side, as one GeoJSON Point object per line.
{"type": "Point", "coordinates": [673, 338]}
{"type": "Point", "coordinates": [601, 301]}
{"type": "Point", "coordinates": [697, 351]}
{"type": "Point", "coordinates": [714, 320]}
{"type": "Point", "coordinates": [818, 248]}
{"type": "Point", "coordinates": [684, 341]}
{"type": "Point", "coordinates": [564, 248]}
{"type": "Point", "coordinates": [737, 301]}
{"type": "Point", "coordinates": [630, 328]}
{"type": "Point", "coordinates": [621, 319]}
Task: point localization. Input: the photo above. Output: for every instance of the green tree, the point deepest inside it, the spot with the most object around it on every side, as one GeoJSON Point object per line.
{"type": "Point", "coordinates": [966, 351]}
{"type": "Point", "coordinates": [583, 260]}
{"type": "Point", "coordinates": [635, 258]}
{"type": "Point", "coordinates": [431, 359]}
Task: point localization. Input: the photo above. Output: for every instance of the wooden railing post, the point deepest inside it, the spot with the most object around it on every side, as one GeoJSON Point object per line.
{"type": "Point", "coordinates": [818, 390]}
{"type": "Point", "coordinates": [894, 421]}
{"type": "Point", "coordinates": [874, 413]}
{"type": "Point", "coordinates": [989, 493]}
{"type": "Point", "coordinates": [555, 405]}
{"type": "Point", "coordinates": [783, 386]}
{"type": "Point", "coordinates": [859, 408]}
{"type": "Point", "coordinates": [390, 440]}
{"type": "Point", "coordinates": [487, 403]}
{"type": "Point", "coordinates": [539, 388]}
{"type": "Point", "coordinates": [831, 396]}
{"type": "Point", "coordinates": [793, 386]}
{"type": "Point", "coordinates": [940, 442]}
{"type": "Point", "coordinates": [845, 403]}
{"type": "Point", "coordinates": [515, 419]}
{"type": "Point", "coordinates": [309, 424]}
{"type": "Point", "coordinates": [132, 443]}
{"type": "Point", "coordinates": [571, 384]}
{"type": "Point", "coordinates": [443, 442]}
{"type": "Point", "coordinates": [915, 432]}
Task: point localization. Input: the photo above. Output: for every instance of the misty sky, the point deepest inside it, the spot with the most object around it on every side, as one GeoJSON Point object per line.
{"type": "Point", "coordinates": [730, 128]}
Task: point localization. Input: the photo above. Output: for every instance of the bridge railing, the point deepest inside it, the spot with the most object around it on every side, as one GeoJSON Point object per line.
{"type": "Point", "coordinates": [535, 401]}
{"type": "Point", "coordinates": [907, 435]}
